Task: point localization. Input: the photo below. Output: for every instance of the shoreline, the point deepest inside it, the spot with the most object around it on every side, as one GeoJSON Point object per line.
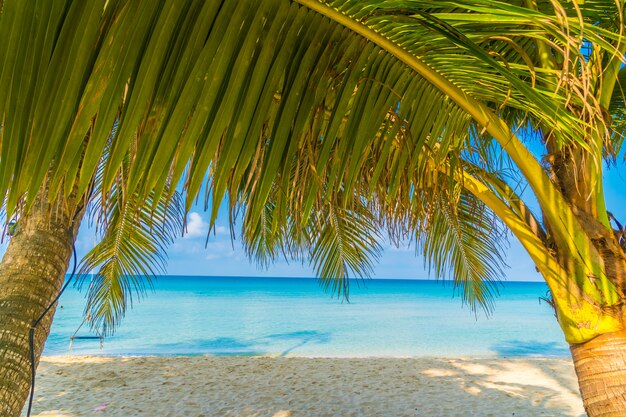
{"type": "Point", "coordinates": [63, 357]}
{"type": "Point", "coordinates": [255, 386]}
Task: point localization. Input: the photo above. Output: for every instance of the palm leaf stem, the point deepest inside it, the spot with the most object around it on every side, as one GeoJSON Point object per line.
{"type": "Point", "coordinates": [514, 201]}
{"type": "Point", "coordinates": [569, 233]}
{"type": "Point", "coordinates": [610, 76]}
{"type": "Point", "coordinates": [545, 56]}
{"type": "Point", "coordinates": [565, 291]}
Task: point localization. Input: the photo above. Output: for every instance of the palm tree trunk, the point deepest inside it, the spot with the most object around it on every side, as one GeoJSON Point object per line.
{"type": "Point", "coordinates": [32, 272]}
{"type": "Point", "coordinates": [601, 368]}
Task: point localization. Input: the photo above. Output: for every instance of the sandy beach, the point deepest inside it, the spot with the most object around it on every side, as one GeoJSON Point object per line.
{"type": "Point", "coordinates": [305, 387]}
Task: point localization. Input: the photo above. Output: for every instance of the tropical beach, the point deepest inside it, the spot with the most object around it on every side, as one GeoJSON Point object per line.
{"type": "Point", "coordinates": [282, 347]}
{"type": "Point", "coordinates": [304, 387]}
{"type": "Point", "coordinates": [194, 195]}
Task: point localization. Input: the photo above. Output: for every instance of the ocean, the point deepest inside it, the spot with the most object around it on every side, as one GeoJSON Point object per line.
{"type": "Point", "coordinates": [187, 315]}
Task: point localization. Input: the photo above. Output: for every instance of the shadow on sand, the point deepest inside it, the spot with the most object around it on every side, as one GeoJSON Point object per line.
{"type": "Point", "coordinates": [530, 348]}
{"type": "Point", "coordinates": [280, 344]}
{"type": "Point", "coordinates": [295, 387]}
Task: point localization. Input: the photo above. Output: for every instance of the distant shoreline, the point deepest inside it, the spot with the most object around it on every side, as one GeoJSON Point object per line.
{"type": "Point", "coordinates": [55, 357]}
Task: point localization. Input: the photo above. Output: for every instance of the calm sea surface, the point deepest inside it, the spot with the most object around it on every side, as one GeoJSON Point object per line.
{"type": "Point", "coordinates": [295, 317]}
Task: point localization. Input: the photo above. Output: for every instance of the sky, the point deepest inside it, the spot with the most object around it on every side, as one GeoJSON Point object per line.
{"type": "Point", "coordinates": [189, 256]}
{"type": "Point", "coordinates": [194, 254]}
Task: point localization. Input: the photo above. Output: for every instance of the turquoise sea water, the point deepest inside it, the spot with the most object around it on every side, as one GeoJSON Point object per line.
{"type": "Point", "coordinates": [295, 317]}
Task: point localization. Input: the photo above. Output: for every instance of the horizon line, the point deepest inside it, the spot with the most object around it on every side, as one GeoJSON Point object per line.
{"type": "Point", "coordinates": [434, 280]}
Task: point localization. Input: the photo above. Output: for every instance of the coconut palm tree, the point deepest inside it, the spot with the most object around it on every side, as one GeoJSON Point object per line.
{"type": "Point", "coordinates": [321, 122]}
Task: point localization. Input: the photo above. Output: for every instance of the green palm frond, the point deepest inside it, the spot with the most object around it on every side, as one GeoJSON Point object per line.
{"type": "Point", "coordinates": [617, 110]}
{"type": "Point", "coordinates": [490, 50]}
{"type": "Point", "coordinates": [618, 99]}
{"type": "Point", "coordinates": [344, 244]}
{"type": "Point", "coordinates": [131, 251]}
{"type": "Point", "coordinates": [463, 242]}
{"type": "Point", "coordinates": [270, 239]}
{"type": "Point", "coordinates": [339, 243]}
{"type": "Point", "coordinates": [190, 79]}
{"type": "Point", "coordinates": [296, 107]}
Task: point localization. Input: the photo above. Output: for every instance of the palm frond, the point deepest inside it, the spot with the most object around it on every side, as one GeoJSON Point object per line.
{"type": "Point", "coordinates": [464, 243]}
{"type": "Point", "coordinates": [130, 253]}
{"type": "Point", "coordinates": [344, 244]}
{"type": "Point", "coordinates": [617, 111]}
{"type": "Point", "coordinates": [269, 238]}
{"type": "Point", "coordinates": [187, 80]}
{"type": "Point", "coordinates": [339, 243]}
{"type": "Point", "coordinates": [286, 105]}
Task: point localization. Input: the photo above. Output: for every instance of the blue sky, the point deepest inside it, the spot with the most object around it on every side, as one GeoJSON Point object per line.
{"type": "Point", "coordinates": [189, 255]}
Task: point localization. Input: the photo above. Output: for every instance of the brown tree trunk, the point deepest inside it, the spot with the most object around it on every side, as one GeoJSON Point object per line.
{"type": "Point", "coordinates": [32, 273]}
{"type": "Point", "coordinates": [601, 368]}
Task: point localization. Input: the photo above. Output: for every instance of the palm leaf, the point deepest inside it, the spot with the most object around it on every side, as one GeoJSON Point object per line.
{"type": "Point", "coordinates": [189, 80]}
{"type": "Point", "coordinates": [464, 243]}
{"type": "Point", "coordinates": [286, 105]}
{"type": "Point", "coordinates": [130, 253]}
{"type": "Point", "coordinates": [344, 244]}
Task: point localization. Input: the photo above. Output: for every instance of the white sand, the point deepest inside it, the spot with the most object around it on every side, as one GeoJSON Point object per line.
{"type": "Point", "coordinates": [299, 387]}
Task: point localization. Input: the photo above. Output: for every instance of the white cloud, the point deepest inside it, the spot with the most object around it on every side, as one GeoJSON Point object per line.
{"type": "Point", "coordinates": [219, 250]}
{"type": "Point", "coordinates": [196, 226]}
{"type": "Point", "coordinates": [215, 256]}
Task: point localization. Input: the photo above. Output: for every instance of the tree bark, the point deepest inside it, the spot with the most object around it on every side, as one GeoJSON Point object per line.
{"type": "Point", "coordinates": [32, 273]}
{"type": "Point", "coordinates": [601, 368]}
